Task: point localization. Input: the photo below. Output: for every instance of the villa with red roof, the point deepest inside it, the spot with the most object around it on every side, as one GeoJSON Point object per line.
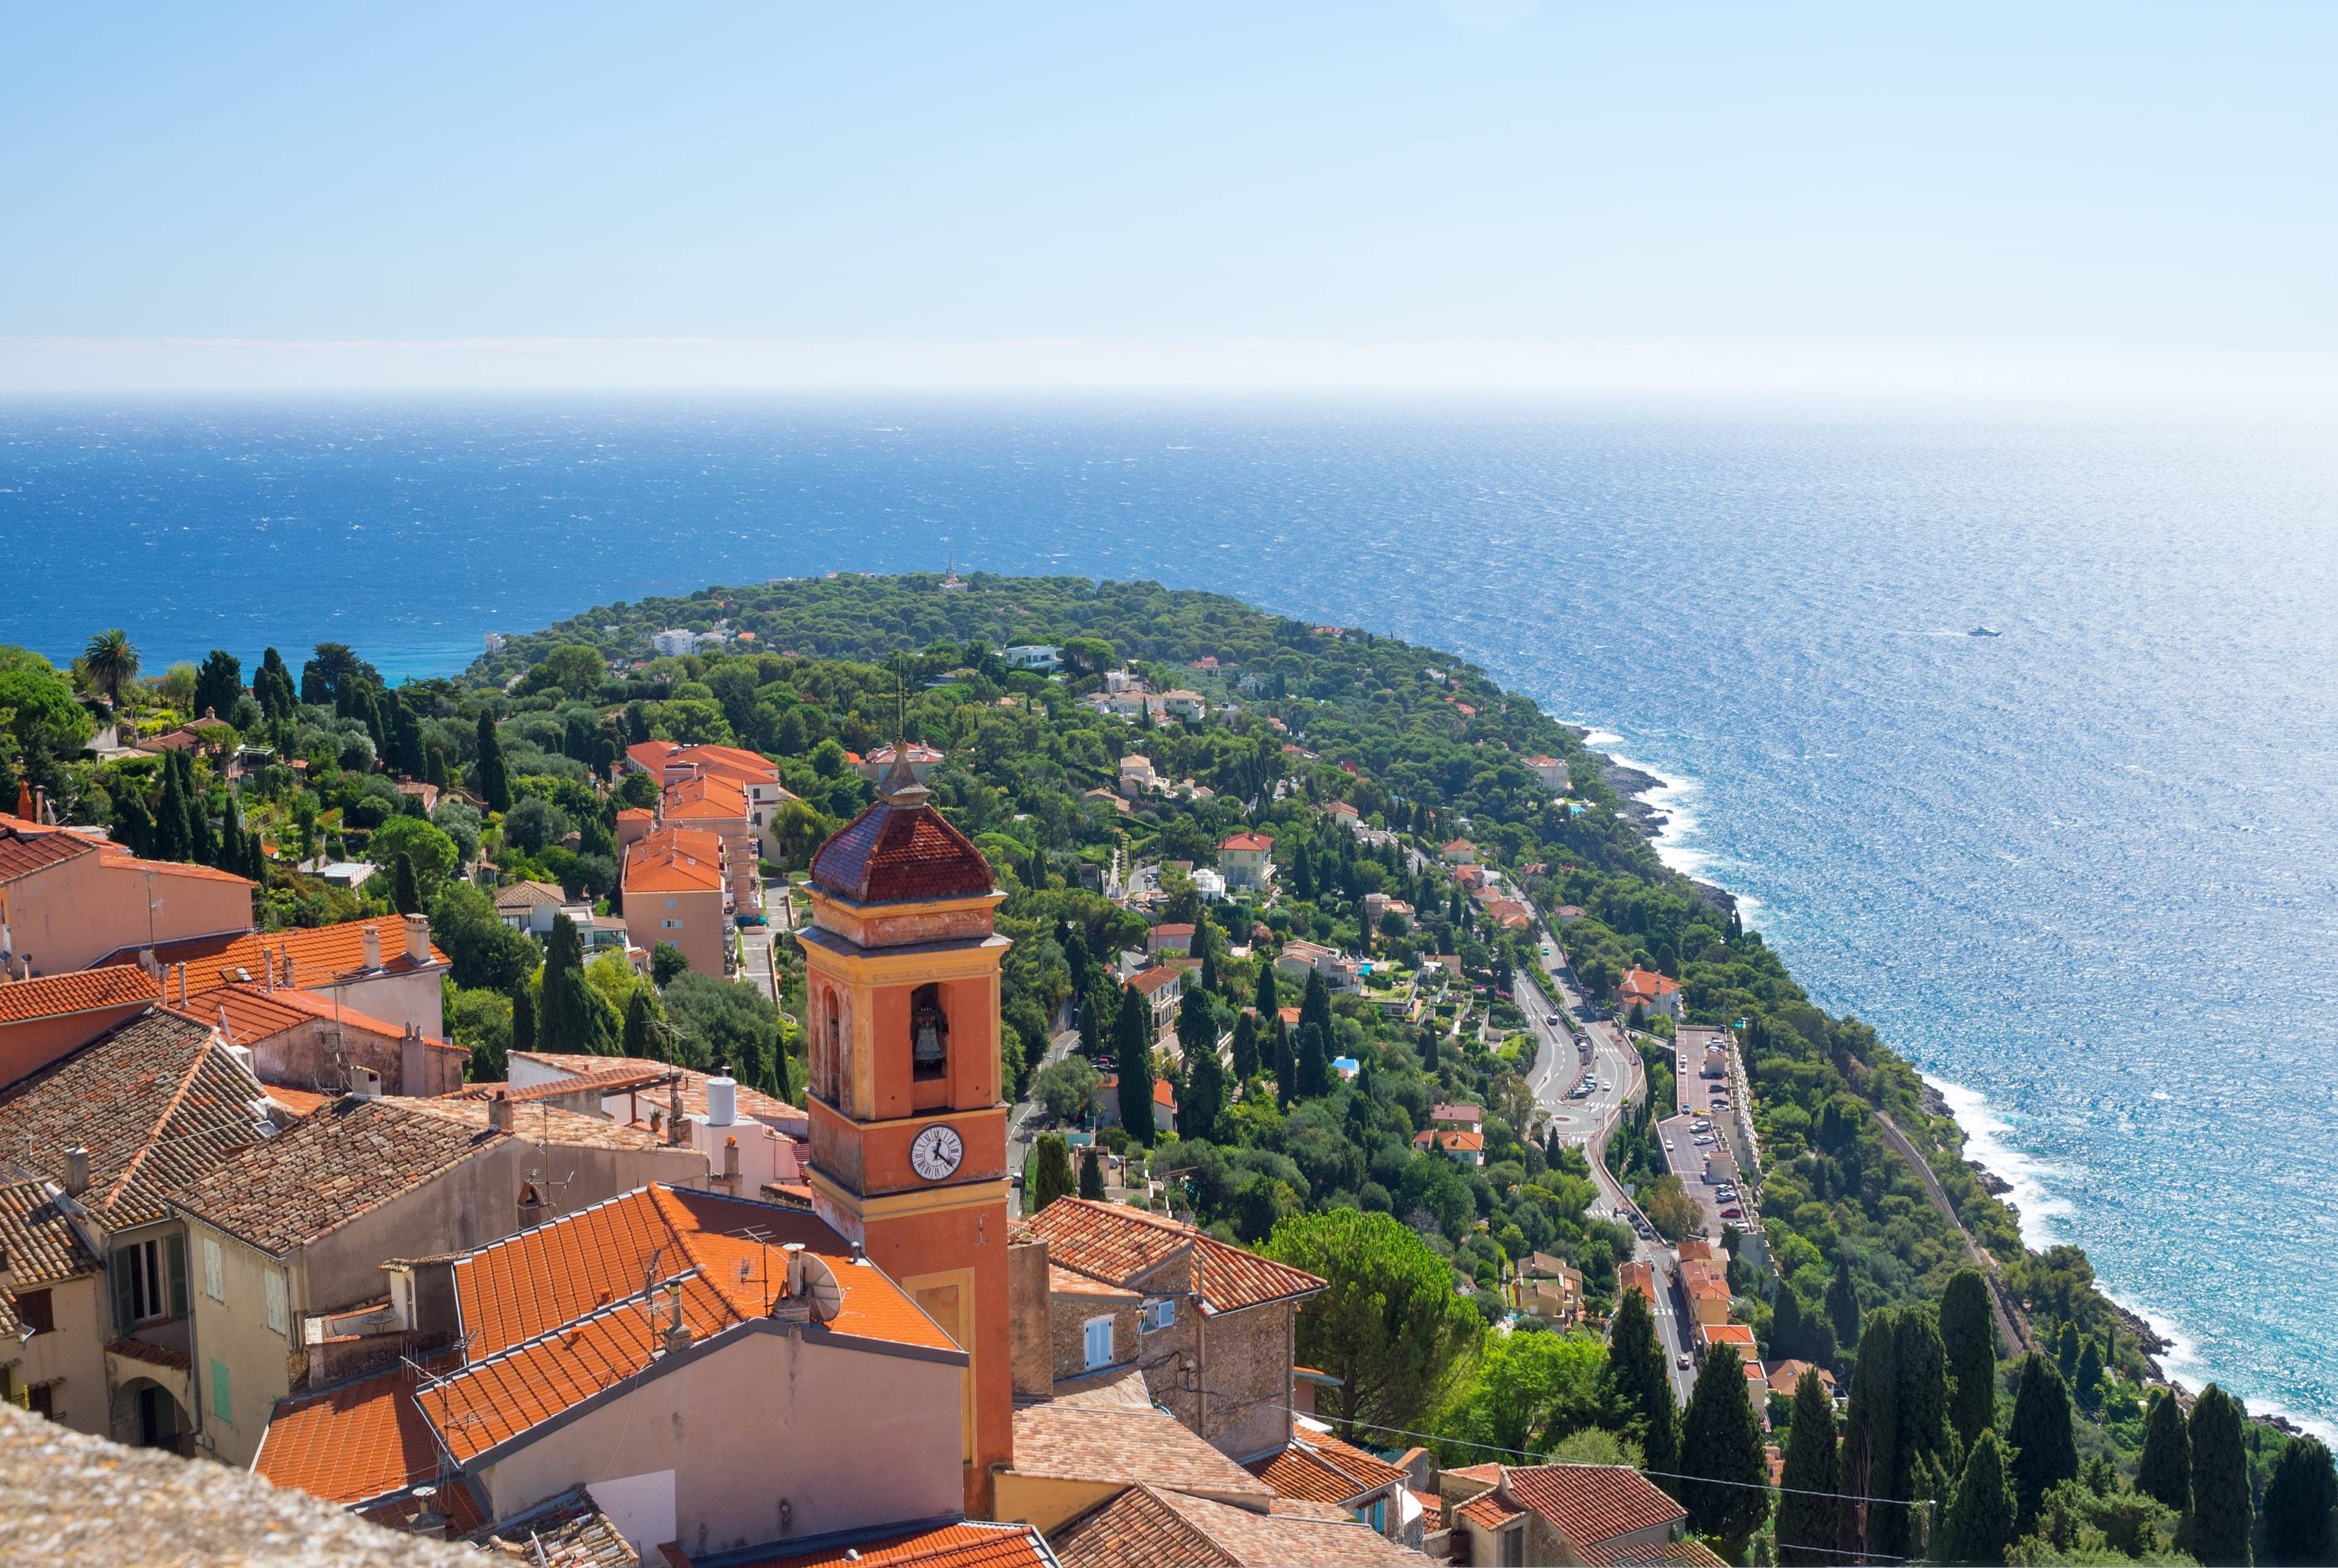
{"type": "Point", "coordinates": [1246, 860]}
{"type": "Point", "coordinates": [1646, 988]}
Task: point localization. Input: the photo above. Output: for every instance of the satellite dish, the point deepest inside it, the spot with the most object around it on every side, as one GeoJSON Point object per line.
{"type": "Point", "coordinates": [819, 1288]}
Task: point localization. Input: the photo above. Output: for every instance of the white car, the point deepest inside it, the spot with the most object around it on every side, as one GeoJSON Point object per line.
{"type": "Point", "coordinates": [1668, 1142]}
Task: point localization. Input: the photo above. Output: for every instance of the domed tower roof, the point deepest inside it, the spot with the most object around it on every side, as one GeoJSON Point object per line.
{"type": "Point", "coordinates": [899, 849]}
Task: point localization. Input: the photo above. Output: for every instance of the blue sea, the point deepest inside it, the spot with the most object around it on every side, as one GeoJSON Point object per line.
{"type": "Point", "coordinates": [2085, 873]}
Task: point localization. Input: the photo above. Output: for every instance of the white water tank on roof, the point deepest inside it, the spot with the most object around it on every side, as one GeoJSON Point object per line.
{"type": "Point", "coordinates": [721, 1102]}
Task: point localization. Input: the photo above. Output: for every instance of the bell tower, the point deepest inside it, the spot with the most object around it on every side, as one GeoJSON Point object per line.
{"type": "Point", "coordinates": [909, 1130]}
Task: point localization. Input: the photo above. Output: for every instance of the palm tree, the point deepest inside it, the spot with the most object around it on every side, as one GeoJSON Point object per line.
{"type": "Point", "coordinates": [111, 662]}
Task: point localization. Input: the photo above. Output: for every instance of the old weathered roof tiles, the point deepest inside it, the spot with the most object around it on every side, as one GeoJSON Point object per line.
{"type": "Point", "coordinates": [1589, 1503]}
{"type": "Point", "coordinates": [1115, 1243]}
{"type": "Point", "coordinates": [40, 1243]}
{"type": "Point", "coordinates": [890, 854]}
{"type": "Point", "coordinates": [968, 1543]}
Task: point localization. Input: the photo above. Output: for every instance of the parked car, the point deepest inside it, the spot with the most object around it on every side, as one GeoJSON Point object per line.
{"type": "Point", "coordinates": [1684, 1362]}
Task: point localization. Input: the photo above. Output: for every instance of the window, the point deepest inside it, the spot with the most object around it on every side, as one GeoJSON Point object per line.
{"type": "Point", "coordinates": [1159, 1315]}
{"type": "Point", "coordinates": [1514, 1546]}
{"type": "Point", "coordinates": [221, 1406]}
{"type": "Point", "coordinates": [36, 1310]}
{"type": "Point", "coordinates": [670, 902]}
{"type": "Point", "coordinates": [277, 1312]}
{"type": "Point", "coordinates": [212, 1285]}
{"type": "Point", "coordinates": [669, 924]}
{"type": "Point", "coordinates": [150, 1281]}
{"type": "Point", "coordinates": [928, 1033]}
{"type": "Point", "coordinates": [1099, 1342]}
{"type": "Point", "coordinates": [1376, 1515]}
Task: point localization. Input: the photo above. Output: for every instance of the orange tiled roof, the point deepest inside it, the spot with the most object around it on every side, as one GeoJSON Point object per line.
{"type": "Point", "coordinates": [1147, 981]}
{"type": "Point", "coordinates": [1059, 1440]}
{"type": "Point", "coordinates": [352, 1443]}
{"type": "Point", "coordinates": [1487, 1513]}
{"type": "Point", "coordinates": [28, 847]}
{"type": "Point", "coordinates": [1589, 1503]}
{"type": "Point", "coordinates": [127, 861]}
{"type": "Point", "coordinates": [1115, 1243]}
{"type": "Point", "coordinates": [674, 861]}
{"type": "Point", "coordinates": [965, 1544]}
{"type": "Point", "coordinates": [1646, 982]}
{"type": "Point", "coordinates": [1687, 1553]}
{"type": "Point", "coordinates": [318, 953]}
{"type": "Point", "coordinates": [299, 1101]}
{"type": "Point", "coordinates": [615, 1079]}
{"type": "Point", "coordinates": [1322, 1469]}
{"type": "Point", "coordinates": [255, 1013]}
{"type": "Point", "coordinates": [703, 796]}
{"type": "Point", "coordinates": [764, 1108]}
{"type": "Point", "coordinates": [1247, 843]}
{"type": "Point", "coordinates": [1451, 1138]}
{"type": "Point", "coordinates": [153, 1101]}
{"type": "Point", "coordinates": [82, 991]}
{"type": "Point", "coordinates": [733, 761]}
{"type": "Point", "coordinates": [1148, 1525]}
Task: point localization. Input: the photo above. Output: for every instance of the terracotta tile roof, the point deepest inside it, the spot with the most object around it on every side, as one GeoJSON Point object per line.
{"type": "Point", "coordinates": [1467, 1115]}
{"type": "Point", "coordinates": [1115, 1243]}
{"type": "Point", "coordinates": [1488, 1512]}
{"type": "Point", "coordinates": [1450, 1138]}
{"type": "Point", "coordinates": [26, 847]}
{"type": "Point", "coordinates": [528, 1285]}
{"type": "Point", "coordinates": [1092, 1443]}
{"type": "Point", "coordinates": [1646, 984]}
{"type": "Point", "coordinates": [636, 814]}
{"type": "Point", "coordinates": [40, 1243]}
{"type": "Point", "coordinates": [352, 1443]}
{"type": "Point", "coordinates": [674, 860]}
{"type": "Point", "coordinates": [1308, 1470]}
{"type": "Point", "coordinates": [611, 1080]}
{"type": "Point", "coordinates": [557, 1314]}
{"type": "Point", "coordinates": [1590, 1504]}
{"type": "Point", "coordinates": [965, 1544]}
{"type": "Point", "coordinates": [355, 1155]}
{"type": "Point", "coordinates": [152, 1354]}
{"type": "Point", "coordinates": [255, 1013]}
{"type": "Point", "coordinates": [127, 861]}
{"type": "Point", "coordinates": [299, 1101]}
{"type": "Point", "coordinates": [890, 854]}
{"type": "Point", "coordinates": [153, 1101]}
{"type": "Point", "coordinates": [1247, 843]}
{"type": "Point", "coordinates": [704, 797]}
{"type": "Point", "coordinates": [728, 760]}
{"type": "Point", "coordinates": [1152, 1524]}
{"type": "Point", "coordinates": [1062, 1281]}
{"type": "Point", "coordinates": [764, 1108]}
{"type": "Point", "coordinates": [82, 991]}
{"type": "Point", "coordinates": [1147, 981]}
{"type": "Point", "coordinates": [318, 953]}
{"type": "Point", "coordinates": [569, 1530]}
{"type": "Point", "coordinates": [1692, 1553]}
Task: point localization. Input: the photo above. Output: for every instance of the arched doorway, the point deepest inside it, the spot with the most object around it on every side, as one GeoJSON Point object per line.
{"type": "Point", "coordinates": [148, 1416]}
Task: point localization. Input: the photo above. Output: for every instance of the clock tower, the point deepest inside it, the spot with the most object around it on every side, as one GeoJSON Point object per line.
{"type": "Point", "coordinates": [909, 1130]}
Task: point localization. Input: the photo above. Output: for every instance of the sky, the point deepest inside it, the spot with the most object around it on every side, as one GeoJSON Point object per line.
{"type": "Point", "coordinates": [1978, 199]}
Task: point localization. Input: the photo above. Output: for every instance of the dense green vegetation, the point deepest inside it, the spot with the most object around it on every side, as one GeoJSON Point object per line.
{"type": "Point", "coordinates": [1279, 1148]}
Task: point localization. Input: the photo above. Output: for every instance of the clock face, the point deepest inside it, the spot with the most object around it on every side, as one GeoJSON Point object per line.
{"type": "Point", "coordinates": [935, 1152]}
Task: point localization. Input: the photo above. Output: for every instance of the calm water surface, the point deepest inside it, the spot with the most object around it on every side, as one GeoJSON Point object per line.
{"type": "Point", "coordinates": [2085, 873]}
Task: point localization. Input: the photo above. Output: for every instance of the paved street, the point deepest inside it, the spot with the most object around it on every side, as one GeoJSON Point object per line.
{"type": "Point", "coordinates": [758, 971]}
{"type": "Point", "coordinates": [1026, 1111]}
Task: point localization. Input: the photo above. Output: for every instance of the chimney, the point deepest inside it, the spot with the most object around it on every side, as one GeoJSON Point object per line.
{"type": "Point", "coordinates": [365, 1083]}
{"type": "Point", "coordinates": [183, 984]}
{"type": "Point", "coordinates": [413, 1062]}
{"type": "Point", "coordinates": [677, 1333]}
{"type": "Point", "coordinates": [499, 1111]}
{"type": "Point", "coordinates": [8, 1272]}
{"type": "Point", "coordinates": [372, 946]}
{"type": "Point", "coordinates": [417, 938]}
{"type": "Point", "coordinates": [677, 1125]}
{"type": "Point", "coordinates": [531, 1205]}
{"type": "Point", "coordinates": [427, 1521]}
{"type": "Point", "coordinates": [77, 1171]}
{"type": "Point", "coordinates": [731, 1165]}
{"type": "Point", "coordinates": [721, 1100]}
{"type": "Point", "coordinates": [288, 985]}
{"type": "Point", "coordinates": [267, 971]}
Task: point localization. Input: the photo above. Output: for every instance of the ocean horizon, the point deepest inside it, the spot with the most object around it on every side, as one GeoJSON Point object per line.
{"type": "Point", "coordinates": [2083, 873]}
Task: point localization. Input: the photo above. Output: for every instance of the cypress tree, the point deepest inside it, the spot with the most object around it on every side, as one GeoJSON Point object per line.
{"type": "Point", "coordinates": [231, 839]}
{"type": "Point", "coordinates": [1924, 1403]}
{"type": "Point", "coordinates": [1268, 1005]}
{"type": "Point", "coordinates": [2045, 1451]}
{"type": "Point", "coordinates": [641, 1036]}
{"type": "Point", "coordinates": [1053, 1177]}
{"type": "Point", "coordinates": [1727, 1472]}
{"type": "Point", "coordinates": [1286, 1066]}
{"type": "Point", "coordinates": [1806, 1513]}
{"type": "Point", "coordinates": [2066, 1353]}
{"type": "Point", "coordinates": [1979, 1526]}
{"type": "Point", "coordinates": [170, 835]}
{"type": "Point", "coordinates": [1091, 1174]}
{"type": "Point", "coordinates": [202, 842]}
{"type": "Point", "coordinates": [2218, 1533]}
{"type": "Point", "coordinates": [1842, 1305]}
{"type": "Point", "coordinates": [1871, 1440]}
{"type": "Point", "coordinates": [569, 1011]}
{"type": "Point", "coordinates": [1314, 1063]}
{"type": "Point", "coordinates": [1302, 875]}
{"type": "Point", "coordinates": [1245, 1047]}
{"type": "Point", "coordinates": [1096, 1015]}
{"type": "Point", "coordinates": [406, 891]}
{"type": "Point", "coordinates": [1209, 976]}
{"type": "Point", "coordinates": [526, 1033]}
{"type": "Point", "coordinates": [1133, 1047]}
{"type": "Point", "coordinates": [2090, 1376]}
{"type": "Point", "coordinates": [1786, 1325]}
{"type": "Point", "coordinates": [1969, 1337]}
{"type": "Point", "coordinates": [2164, 1471]}
{"type": "Point", "coordinates": [495, 783]}
{"type": "Point", "coordinates": [1639, 1385]}
{"type": "Point", "coordinates": [2300, 1499]}
{"type": "Point", "coordinates": [133, 824]}
{"type": "Point", "coordinates": [1315, 1006]}
{"type": "Point", "coordinates": [1429, 1050]}
{"type": "Point", "coordinates": [1205, 1079]}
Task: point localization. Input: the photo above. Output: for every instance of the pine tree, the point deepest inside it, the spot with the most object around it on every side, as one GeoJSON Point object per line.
{"type": "Point", "coordinates": [526, 1034]}
{"type": "Point", "coordinates": [1979, 1526]}
{"type": "Point", "coordinates": [2300, 1499]}
{"type": "Point", "coordinates": [2218, 1531]}
{"type": "Point", "coordinates": [1727, 1472]}
{"type": "Point", "coordinates": [570, 1010]}
{"type": "Point", "coordinates": [1245, 1047]}
{"type": "Point", "coordinates": [495, 783]}
{"type": "Point", "coordinates": [406, 891]}
{"type": "Point", "coordinates": [1053, 1178]}
{"type": "Point", "coordinates": [1806, 1508]}
{"type": "Point", "coordinates": [2164, 1469]}
{"type": "Point", "coordinates": [1133, 1048]}
{"type": "Point", "coordinates": [1842, 1305]}
{"type": "Point", "coordinates": [1091, 1174]}
{"type": "Point", "coordinates": [1871, 1440]}
{"type": "Point", "coordinates": [2045, 1451]}
{"type": "Point", "coordinates": [642, 1041]}
{"type": "Point", "coordinates": [1640, 1386]}
{"type": "Point", "coordinates": [1969, 1337]}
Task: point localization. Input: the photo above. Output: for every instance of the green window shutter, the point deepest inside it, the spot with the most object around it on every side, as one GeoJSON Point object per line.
{"type": "Point", "coordinates": [175, 1248]}
{"type": "Point", "coordinates": [221, 1406]}
{"type": "Point", "coordinates": [125, 1297]}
